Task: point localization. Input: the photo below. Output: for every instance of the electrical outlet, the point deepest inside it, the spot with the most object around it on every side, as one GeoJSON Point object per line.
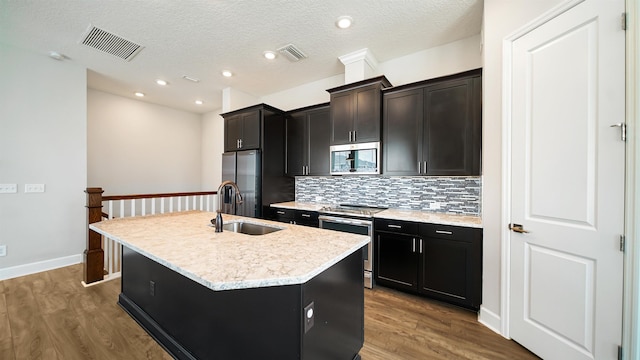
{"type": "Point", "coordinates": [33, 188]}
{"type": "Point", "coordinates": [8, 188]}
{"type": "Point", "coordinates": [434, 206]}
{"type": "Point", "coordinates": [3, 250]}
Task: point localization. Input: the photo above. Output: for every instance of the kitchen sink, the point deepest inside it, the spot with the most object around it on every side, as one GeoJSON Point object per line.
{"type": "Point", "coordinates": [249, 228]}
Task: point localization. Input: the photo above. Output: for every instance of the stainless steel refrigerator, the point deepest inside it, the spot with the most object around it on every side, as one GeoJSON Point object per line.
{"type": "Point", "coordinates": [243, 168]}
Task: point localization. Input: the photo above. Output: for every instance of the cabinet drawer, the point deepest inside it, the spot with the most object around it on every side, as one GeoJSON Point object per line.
{"type": "Point", "coordinates": [284, 215]}
{"type": "Point", "coordinates": [459, 233]}
{"type": "Point", "coordinates": [397, 226]}
{"type": "Point", "coordinates": [306, 216]}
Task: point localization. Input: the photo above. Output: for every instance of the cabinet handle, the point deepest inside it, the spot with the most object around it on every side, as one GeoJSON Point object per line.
{"type": "Point", "coordinates": [307, 170]}
{"type": "Point", "coordinates": [354, 136]}
{"type": "Point", "coordinates": [419, 167]}
{"type": "Point", "coordinates": [420, 246]}
{"type": "Point", "coordinates": [349, 136]}
{"type": "Point", "coordinates": [425, 168]}
{"type": "Point", "coordinates": [444, 232]}
{"type": "Point", "coordinates": [280, 212]}
{"type": "Point", "coordinates": [413, 248]}
{"type": "Point", "coordinates": [240, 143]}
{"type": "Point", "coordinates": [395, 226]}
{"type": "Point", "coordinates": [306, 215]}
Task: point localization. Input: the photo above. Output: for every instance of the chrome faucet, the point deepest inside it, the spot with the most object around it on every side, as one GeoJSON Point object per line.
{"type": "Point", "coordinates": [238, 200]}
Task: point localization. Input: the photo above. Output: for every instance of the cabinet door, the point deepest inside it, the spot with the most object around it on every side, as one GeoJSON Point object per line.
{"type": "Point", "coordinates": [250, 130]}
{"type": "Point", "coordinates": [307, 218]}
{"type": "Point", "coordinates": [366, 117]}
{"type": "Point", "coordinates": [396, 260]}
{"type": "Point", "coordinates": [341, 117]}
{"type": "Point", "coordinates": [449, 128]}
{"type": "Point", "coordinates": [319, 136]}
{"type": "Point", "coordinates": [446, 270]}
{"type": "Point", "coordinates": [232, 132]}
{"type": "Point", "coordinates": [284, 215]}
{"type": "Point", "coordinates": [296, 136]}
{"type": "Point", "coordinates": [402, 132]}
{"type": "Point", "coordinates": [451, 267]}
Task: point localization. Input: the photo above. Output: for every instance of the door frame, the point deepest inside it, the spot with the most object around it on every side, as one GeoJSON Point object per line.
{"type": "Point", "coordinates": [631, 272]}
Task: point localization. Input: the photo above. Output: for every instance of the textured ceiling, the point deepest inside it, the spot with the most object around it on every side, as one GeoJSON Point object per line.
{"type": "Point", "coordinates": [200, 38]}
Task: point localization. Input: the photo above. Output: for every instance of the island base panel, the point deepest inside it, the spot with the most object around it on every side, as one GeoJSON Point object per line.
{"type": "Point", "coordinates": [192, 321]}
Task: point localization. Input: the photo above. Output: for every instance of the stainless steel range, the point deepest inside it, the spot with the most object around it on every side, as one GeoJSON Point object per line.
{"type": "Point", "coordinates": [354, 219]}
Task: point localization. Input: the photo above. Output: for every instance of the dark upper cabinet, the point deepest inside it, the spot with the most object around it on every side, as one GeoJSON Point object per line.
{"type": "Point", "coordinates": [308, 133]}
{"type": "Point", "coordinates": [434, 127]}
{"type": "Point", "coordinates": [356, 111]}
{"type": "Point", "coordinates": [403, 121]}
{"type": "Point", "coordinates": [440, 261]}
{"type": "Point", "coordinates": [242, 130]}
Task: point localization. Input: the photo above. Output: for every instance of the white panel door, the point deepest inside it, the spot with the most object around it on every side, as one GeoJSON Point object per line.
{"type": "Point", "coordinates": [567, 183]}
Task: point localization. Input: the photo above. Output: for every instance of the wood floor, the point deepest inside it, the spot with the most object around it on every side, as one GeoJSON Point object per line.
{"type": "Point", "coordinates": [51, 316]}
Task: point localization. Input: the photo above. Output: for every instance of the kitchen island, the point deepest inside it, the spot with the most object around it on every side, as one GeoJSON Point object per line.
{"type": "Point", "coordinates": [296, 293]}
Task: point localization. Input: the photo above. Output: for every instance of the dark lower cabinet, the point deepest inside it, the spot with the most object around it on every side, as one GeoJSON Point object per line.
{"type": "Point", "coordinates": [293, 216]}
{"type": "Point", "coordinates": [193, 322]}
{"type": "Point", "coordinates": [396, 260]}
{"type": "Point", "coordinates": [439, 261]}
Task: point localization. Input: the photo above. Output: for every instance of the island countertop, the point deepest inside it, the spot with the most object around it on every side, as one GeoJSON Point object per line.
{"type": "Point", "coordinates": [186, 243]}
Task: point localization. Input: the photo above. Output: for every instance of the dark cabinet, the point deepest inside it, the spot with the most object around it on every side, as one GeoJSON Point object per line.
{"type": "Point", "coordinates": [451, 268]}
{"type": "Point", "coordinates": [434, 127]}
{"type": "Point", "coordinates": [356, 111]}
{"type": "Point", "coordinates": [308, 134]}
{"type": "Point", "coordinates": [293, 216]}
{"type": "Point", "coordinates": [242, 130]}
{"type": "Point", "coordinates": [439, 261]}
{"type": "Point", "coordinates": [396, 259]}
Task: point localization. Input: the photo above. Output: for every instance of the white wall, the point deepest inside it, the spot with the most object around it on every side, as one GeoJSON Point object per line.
{"type": "Point", "coordinates": [212, 149]}
{"type": "Point", "coordinates": [43, 141]}
{"type": "Point", "coordinates": [439, 61]}
{"type": "Point", "coordinates": [501, 18]}
{"type": "Point", "coordinates": [138, 148]}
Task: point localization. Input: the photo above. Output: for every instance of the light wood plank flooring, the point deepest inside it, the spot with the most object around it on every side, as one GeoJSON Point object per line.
{"type": "Point", "coordinates": [51, 316]}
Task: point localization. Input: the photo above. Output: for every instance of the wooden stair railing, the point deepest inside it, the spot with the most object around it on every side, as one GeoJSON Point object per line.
{"type": "Point", "coordinates": [94, 255]}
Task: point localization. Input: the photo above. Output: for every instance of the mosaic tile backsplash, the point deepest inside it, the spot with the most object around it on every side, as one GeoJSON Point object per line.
{"type": "Point", "coordinates": [454, 195]}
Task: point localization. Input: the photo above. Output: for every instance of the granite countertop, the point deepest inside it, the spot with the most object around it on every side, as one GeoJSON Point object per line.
{"type": "Point", "coordinates": [400, 214]}
{"type": "Point", "coordinates": [186, 243]}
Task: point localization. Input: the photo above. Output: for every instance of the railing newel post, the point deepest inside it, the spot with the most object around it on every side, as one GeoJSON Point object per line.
{"type": "Point", "coordinates": [93, 254]}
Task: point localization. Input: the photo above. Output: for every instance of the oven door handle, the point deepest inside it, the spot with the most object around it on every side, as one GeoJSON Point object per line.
{"type": "Point", "coordinates": [344, 220]}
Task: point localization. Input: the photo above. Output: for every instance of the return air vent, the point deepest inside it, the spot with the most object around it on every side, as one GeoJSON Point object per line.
{"type": "Point", "coordinates": [109, 43]}
{"type": "Point", "coordinates": [292, 52]}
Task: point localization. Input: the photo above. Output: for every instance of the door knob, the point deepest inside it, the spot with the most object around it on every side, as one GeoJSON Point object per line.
{"type": "Point", "coordinates": [517, 228]}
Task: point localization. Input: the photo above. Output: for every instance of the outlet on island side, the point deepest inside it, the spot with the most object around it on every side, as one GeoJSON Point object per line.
{"type": "Point", "coordinates": [3, 250]}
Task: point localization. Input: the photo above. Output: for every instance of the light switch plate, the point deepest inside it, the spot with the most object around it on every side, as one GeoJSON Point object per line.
{"type": "Point", "coordinates": [8, 188]}
{"type": "Point", "coordinates": [3, 250]}
{"type": "Point", "coordinates": [33, 188]}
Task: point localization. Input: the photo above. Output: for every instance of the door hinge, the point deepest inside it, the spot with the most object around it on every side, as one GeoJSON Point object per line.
{"type": "Point", "coordinates": [622, 243]}
{"type": "Point", "coordinates": [619, 352]}
{"type": "Point", "coordinates": [623, 21]}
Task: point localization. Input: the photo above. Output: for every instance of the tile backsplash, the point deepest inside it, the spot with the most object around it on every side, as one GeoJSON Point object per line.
{"type": "Point", "coordinates": [459, 195]}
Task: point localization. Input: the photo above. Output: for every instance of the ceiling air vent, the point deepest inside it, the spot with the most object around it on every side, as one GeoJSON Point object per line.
{"type": "Point", "coordinates": [292, 52]}
{"type": "Point", "coordinates": [109, 43]}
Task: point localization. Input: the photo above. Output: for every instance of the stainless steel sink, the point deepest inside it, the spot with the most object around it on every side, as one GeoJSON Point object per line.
{"type": "Point", "coordinates": [249, 228]}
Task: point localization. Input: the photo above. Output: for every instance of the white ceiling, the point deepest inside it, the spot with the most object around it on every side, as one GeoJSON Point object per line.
{"type": "Point", "coordinates": [200, 38]}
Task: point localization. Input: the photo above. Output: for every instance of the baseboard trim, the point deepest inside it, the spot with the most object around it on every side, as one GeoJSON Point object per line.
{"type": "Point", "coordinates": [490, 319]}
{"type": "Point", "coordinates": [40, 266]}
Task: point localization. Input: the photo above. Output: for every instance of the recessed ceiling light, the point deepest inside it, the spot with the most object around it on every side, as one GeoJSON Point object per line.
{"type": "Point", "coordinates": [139, 94]}
{"type": "Point", "coordinates": [199, 102]}
{"type": "Point", "coordinates": [227, 73]}
{"type": "Point", "coordinates": [344, 22]}
{"type": "Point", "coordinates": [161, 82]}
{"type": "Point", "coordinates": [269, 55]}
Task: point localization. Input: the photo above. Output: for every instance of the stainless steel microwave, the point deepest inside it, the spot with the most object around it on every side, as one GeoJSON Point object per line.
{"type": "Point", "coordinates": [355, 159]}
